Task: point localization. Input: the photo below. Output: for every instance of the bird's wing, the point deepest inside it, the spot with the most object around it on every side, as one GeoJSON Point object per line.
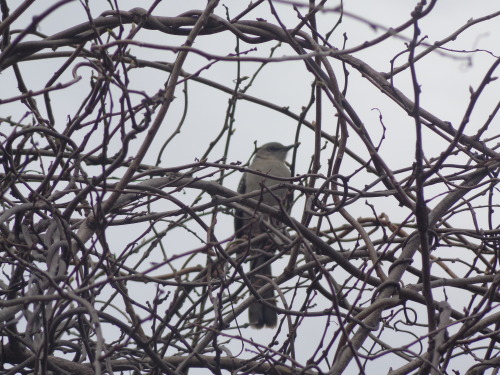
{"type": "Point", "coordinates": [238, 214]}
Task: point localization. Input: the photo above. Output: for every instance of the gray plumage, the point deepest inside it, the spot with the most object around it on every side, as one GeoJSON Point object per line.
{"type": "Point", "coordinates": [269, 159]}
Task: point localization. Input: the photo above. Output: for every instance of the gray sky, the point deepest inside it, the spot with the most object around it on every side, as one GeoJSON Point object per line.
{"type": "Point", "coordinates": [445, 78]}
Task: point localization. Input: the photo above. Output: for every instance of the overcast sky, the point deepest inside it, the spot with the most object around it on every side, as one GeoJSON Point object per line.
{"type": "Point", "coordinates": [445, 78]}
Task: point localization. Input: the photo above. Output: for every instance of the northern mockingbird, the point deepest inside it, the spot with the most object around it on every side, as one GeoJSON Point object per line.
{"type": "Point", "coordinates": [270, 160]}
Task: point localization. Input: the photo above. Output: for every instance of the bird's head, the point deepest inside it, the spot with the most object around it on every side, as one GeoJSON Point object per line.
{"type": "Point", "coordinates": [273, 150]}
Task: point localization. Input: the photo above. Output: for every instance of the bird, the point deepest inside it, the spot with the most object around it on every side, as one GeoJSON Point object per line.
{"type": "Point", "coordinates": [269, 159]}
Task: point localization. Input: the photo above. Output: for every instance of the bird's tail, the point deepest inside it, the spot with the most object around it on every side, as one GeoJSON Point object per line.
{"type": "Point", "coordinates": [260, 315]}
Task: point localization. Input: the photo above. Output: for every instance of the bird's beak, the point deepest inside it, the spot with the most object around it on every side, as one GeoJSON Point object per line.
{"type": "Point", "coordinates": [292, 146]}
